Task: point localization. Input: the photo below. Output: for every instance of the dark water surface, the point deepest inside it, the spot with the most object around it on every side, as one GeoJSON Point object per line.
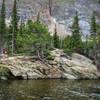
{"type": "Point", "coordinates": [50, 90]}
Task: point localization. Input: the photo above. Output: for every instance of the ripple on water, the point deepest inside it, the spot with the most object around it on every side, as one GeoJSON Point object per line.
{"type": "Point", "coordinates": [50, 90]}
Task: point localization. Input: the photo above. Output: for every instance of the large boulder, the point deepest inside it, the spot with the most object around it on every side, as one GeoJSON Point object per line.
{"type": "Point", "coordinates": [63, 66]}
{"type": "Point", "coordinates": [75, 67]}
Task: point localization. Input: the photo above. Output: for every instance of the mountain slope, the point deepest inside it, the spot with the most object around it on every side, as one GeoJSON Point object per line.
{"type": "Point", "coordinates": [62, 10]}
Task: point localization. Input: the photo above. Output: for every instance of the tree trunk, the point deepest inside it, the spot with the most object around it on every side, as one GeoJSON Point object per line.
{"type": "Point", "coordinates": [50, 7]}
{"type": "Point", "coordinates": [95, 49]}
{"type": "Point", "coordinates": [1, 50]}
{"type": "Point", "coordinates": [1, 47]}
{"type": "Point", "coordinates": [38, 54]}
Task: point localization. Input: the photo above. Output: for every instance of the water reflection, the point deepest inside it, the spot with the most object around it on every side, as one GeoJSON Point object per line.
{"type": "Point", "coordinates": [50, 90]}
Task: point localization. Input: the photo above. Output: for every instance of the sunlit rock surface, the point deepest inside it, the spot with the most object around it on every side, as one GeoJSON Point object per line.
{"type": "Point", "coordinates": [63, 66]}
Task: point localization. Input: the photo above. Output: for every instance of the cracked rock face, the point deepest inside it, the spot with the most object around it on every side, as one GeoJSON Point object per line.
{"type": "Point", "coordinates": [74, 67]}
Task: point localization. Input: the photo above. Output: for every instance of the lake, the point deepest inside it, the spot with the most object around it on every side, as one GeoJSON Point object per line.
{"type": "Point", "coordinates": [50, 90]}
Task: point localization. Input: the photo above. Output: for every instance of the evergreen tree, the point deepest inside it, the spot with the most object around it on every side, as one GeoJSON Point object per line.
{"type": "Point", "coordinates": [2, 27]}
{"type": "Point", "coordinates": [75, 25]}
{"type": "Point", "coordinates": [9, 39]}
{"type": "Point", "coordinates": [76, 40]}
{"type": "Point", "coordinates": [35, 38]}
{"type": "Point", "coordinates": [56, 39]}
{"type": "Point", "coordinates": [93, 24]}
{"type": "Point", "coordinates": [14, 25]}
{"type": "Point", "coordinates": [67, 45]}
{"type": "Point", "coordinates": [22, 28]}
{"type": "Point", "coordinates": [94, 35]}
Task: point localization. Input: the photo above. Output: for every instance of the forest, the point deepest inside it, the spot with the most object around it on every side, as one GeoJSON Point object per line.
{"type": "Point", "coordinates": [33, 37]}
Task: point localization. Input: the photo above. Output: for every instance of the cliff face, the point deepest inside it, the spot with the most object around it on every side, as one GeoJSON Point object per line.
{"type": "Point", "coordinates": [62, 10]}
{"type": "Point", "coordinates": [63, 66]}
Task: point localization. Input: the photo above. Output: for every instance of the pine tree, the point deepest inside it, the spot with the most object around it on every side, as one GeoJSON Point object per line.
{"type": "Point", "coordinates": [14, 25]}
{"type": "Point", "coordinates": [94, 35]}
{"type": "Point", "coordinates": [56, 39]}
{"type": "Point", "coordinates": [93, 24]}
{"type": "Point", "coordinates": [75, 26]}
{"type": "Point", "coordinates": [2, 27]}
{"type": "Point", "coordinates": [76, 37]}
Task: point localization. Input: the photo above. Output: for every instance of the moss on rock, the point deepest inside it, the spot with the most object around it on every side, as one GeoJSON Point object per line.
{"type": "Point", "coordinates": [4, 71]}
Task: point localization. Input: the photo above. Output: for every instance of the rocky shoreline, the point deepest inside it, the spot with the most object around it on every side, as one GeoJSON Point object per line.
{"type": "Point", "coordinates": [61, 67]}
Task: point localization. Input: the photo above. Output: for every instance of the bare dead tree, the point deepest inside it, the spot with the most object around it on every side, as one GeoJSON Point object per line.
{"type": "Point", "coordinates": [50, 7]}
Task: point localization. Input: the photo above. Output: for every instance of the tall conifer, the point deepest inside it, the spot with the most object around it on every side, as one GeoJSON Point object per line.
{"type": "Point", "coordinates": [56, 39]}
{"type": "Point", "coordinates": [94, 34]}
{"type": "Point", "coordinates": [14, 25]}
{"type": "Point", "coordinates": [2, 27]}
{"type": "Point", "coordinates": [76, 37]}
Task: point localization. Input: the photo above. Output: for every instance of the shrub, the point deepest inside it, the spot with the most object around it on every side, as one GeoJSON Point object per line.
{"type": "Point", "coordinates": [68, 51]}
{"type": "Point", "coordinates": [48, 55]}
{"type": "Point", "coordinates": [4, 71]}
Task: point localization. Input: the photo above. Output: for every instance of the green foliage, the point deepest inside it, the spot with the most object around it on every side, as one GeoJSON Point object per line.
{"type": "Point", "coordinates": [93, 24]}
{"type": "Point", "coordinates": [98, 29]}
{"type": "Point", "coordinates": [68, 51]}
{"type": "Point", "coordinates": [94, 36]}
{"type": "Point", "coordinates": [14, 21]}
{"type": "Point", "coordinates": [88, 45]}
{"type": "Point", "coordinates": [74, 43]}
{"type": "Point", "coordinates": [75, 25]}
{"type": "Point", "coordinates": [2, 20]}
{"type": "Point", "coordinates": [48, 56]}
{"type": "Point", "coordinates": [14, 26]}
{"type": "Point", "coordinates": [76, 37]}
{"type": "Point", "coordinates": [35, 37]}
{"type": "Point", "coordinates": [67, 42]}
{"type": "Point", "coordinates": [98, 43]}
{"type": "Point", "coordinates": [4, 71]}
{"type": "Point", "coordinates": [2, 26]}
{"type": "Point", "coordinates": [56, 40]}
{"type": "Point", "coordinates": [67, 45]}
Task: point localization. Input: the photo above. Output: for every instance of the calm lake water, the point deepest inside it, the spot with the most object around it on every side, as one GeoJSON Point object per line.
{"type": "Point", "coordinates": [50, 90]}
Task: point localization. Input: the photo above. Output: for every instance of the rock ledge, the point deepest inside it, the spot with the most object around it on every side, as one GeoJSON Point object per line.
{"type": "Point", "coordinates": [75, 67]}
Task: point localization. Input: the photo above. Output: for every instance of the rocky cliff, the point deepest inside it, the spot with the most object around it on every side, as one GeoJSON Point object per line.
{"type": "Point", "coordinates": [62, 10]}
{"type": "Point", "coordinates": [63, 66]}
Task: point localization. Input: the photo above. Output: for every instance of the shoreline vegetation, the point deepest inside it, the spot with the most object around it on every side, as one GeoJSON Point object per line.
{"type": "Point", "coordinates": [53, 56]}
